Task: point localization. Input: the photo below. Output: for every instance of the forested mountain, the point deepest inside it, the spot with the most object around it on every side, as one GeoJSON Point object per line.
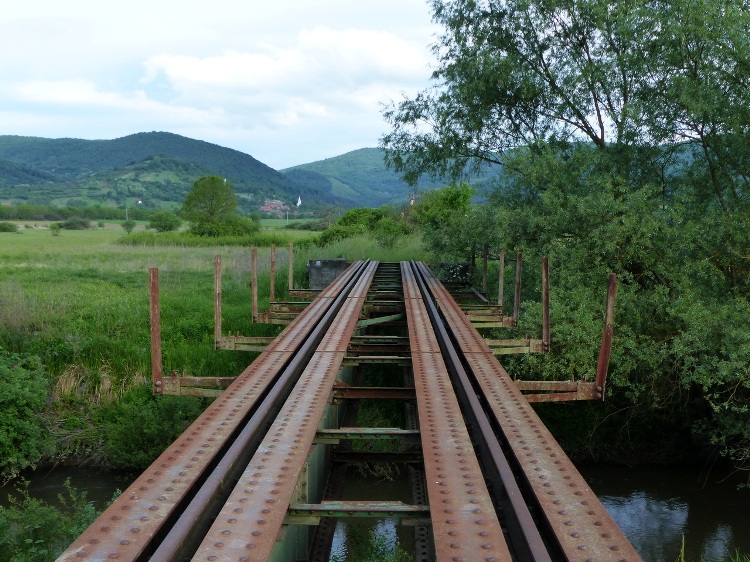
{"type": "Point", "coordinates": [159, 168]}
{"type": "Point", "coordinates": [359, 177]}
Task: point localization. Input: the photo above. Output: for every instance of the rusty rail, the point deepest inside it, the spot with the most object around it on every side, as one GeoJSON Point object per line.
{"type": "Point", "coordinates": [494, 483]}
{"type": "Point", "coordinates": [572, 513]}
{"type": "Point", "coordinates": [129, 528]}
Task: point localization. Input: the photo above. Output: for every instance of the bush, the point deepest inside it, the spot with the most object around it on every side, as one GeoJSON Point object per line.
{"type": "Point", "coordinates": [8, 227]}
{"type": "Point", "coordinates": [75, 223]}
{"type": "Point", "coordinates": [23, 396]}
{"type": "Point", "coordinates": [232, 225]}
{"type": "Point", "coordinates": [138, 427]}
{"type": "Point", "coordinates": [128, 226]}
{"type": "Point", "coordinates": [31, 529]}
{"type": "Point", "coordinates": [164, 221]}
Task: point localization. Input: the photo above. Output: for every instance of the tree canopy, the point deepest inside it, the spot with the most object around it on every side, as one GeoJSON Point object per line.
{"type": "Point", "coordinates": [623, 129]}
{"type": "Point", "coordinates": [211, 207]}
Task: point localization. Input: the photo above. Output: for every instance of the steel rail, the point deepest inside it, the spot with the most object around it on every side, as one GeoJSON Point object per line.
{"type": "Point", "coordinates": [143, 514]}
{"type": "Point", "coordinates": [465, 525]}
{"type": "Point", "coordinates": [185, 535]}
{"type": "Point", "coordinates": [580, 524]}
{"type": "Point", "coordinates": [250, 520]}
{"type": "Point", "coordinates": [523, 534]}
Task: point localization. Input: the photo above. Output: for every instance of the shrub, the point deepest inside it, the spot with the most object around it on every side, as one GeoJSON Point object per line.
{"type": "Point", "coordinates": [31, 529]}
{"type": "Point", "coordinates": [128, 226]}
{"type": "Point", "coordinates": [8, 227]}
{"type": "Point", "coordinates": [231, 225]}
{"type": "Point", "coordinates": [164, 221]}
{"type": "Point", "coordinates": [75, 223]}
{"type": "Point", "coordinates": [23, 395]}
{"type": "Point", "coordinates": [138, 427]}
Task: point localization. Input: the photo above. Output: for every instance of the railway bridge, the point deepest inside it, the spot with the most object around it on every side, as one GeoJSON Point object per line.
{"type": "Point", "coordinates": [261, 473]}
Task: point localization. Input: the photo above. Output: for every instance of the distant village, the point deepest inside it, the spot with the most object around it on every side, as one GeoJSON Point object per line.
{"type": "Point", "coordinates": [277, 208]}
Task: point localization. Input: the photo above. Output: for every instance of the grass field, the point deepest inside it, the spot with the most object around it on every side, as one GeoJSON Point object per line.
{"type": "Point", "coordinates": [80, 300]}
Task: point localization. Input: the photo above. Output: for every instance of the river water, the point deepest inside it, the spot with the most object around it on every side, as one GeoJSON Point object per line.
{"type": "Point", "coordinates": [656, 507]}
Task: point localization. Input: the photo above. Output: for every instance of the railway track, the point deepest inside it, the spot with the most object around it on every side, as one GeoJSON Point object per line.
{"type": "Point", "coordinates": [490, 484]}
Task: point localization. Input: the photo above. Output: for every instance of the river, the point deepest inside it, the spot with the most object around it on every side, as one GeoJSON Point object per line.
{"type": "Point", "coordinates": [655, 506]}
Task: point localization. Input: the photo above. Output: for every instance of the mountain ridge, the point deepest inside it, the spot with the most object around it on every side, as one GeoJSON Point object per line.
{"type": "Point", "coordinates": [160, 167]}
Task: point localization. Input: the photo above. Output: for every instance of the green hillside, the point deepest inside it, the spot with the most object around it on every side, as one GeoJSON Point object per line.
{"type": "Point", "coordinates": [361, 178]}
{"type": "Point", "coordinates": [159, 168]}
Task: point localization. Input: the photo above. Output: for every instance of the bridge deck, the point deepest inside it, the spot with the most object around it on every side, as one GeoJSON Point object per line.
{"type": "Point", "coordinates": [498, 486]}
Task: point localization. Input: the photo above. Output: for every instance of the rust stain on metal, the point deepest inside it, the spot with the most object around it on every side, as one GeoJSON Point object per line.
{"type": "Point", "coordinates": [582, 526]}
{"type": "Point", "coordinates": [125, 528]}
{"type": "Point", "coordinates": [464, 523]}
{"type": "Point", "coordinates": [251, 519]}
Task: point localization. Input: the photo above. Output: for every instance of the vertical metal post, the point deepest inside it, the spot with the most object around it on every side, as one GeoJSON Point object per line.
{"type": "Point", "coordinates": [517, 297]}
{"type": "Point", "coordinates": [217, 302]}
{"type": "Point", "coordinates": [272, 288]}
{"type": "Point", "coordinates": [291, 266]}
{"type": "Point", "coordinates": [254, 281]}
{"type": "Point", "coordinates": [156, 360]}
{"type": "Point", "coordinates": [501, 280]}
{"type": "Point", "coordinates": [545, 304]}
{"type": "Point", "coordinates": [605, 352]}
{"type": "Point", "coordinates": [485, 257]}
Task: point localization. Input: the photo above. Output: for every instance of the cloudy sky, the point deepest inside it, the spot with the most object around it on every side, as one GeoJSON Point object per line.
{"type": "Point", "coordinates": [286, 81]}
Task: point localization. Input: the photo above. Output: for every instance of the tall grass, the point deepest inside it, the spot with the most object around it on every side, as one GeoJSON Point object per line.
{"type": "Point", "coordinates": [80, 300]}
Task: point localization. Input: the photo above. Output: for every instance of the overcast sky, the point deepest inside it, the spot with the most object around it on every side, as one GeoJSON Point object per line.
{"type": "Point", "coordinates": [286, 81]}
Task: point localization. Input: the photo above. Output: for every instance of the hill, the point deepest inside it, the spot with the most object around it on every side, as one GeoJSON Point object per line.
{"type": "Point", "coordinates": [158, 168]}
{"type": "Point", "coordinates": [359, 177]}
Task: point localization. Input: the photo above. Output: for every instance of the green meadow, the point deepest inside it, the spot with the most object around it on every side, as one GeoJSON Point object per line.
{"type": "Point", "coordinates": [79, 301]}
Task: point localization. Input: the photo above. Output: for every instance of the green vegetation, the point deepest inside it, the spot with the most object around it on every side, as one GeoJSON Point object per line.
{"type": "Point", "coordinates": [23, 438]}
{"type": "Point", "coordinates": [211, 209]}
{"type": "Point", "coordinates": [32, 530]}
{"type": "Point", "coordinates": [164, 221]}
{"type": "Point", "coordinates": [384, 224]}
{"type": "Point", "coordinates": [8, 227]}
{"type": "Point", "coordinates": [75, 308]}
{"type": "Point", "coordinates": [157, 168]}
{"type": "Point", "coordinates": [359, 178]}
{"type": "Point", "coordinates": [623, 133]}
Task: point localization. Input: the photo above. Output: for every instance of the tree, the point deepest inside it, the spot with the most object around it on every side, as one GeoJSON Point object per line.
{"type": "Point", "coordinates": [210, 202]}
{"type": "Point", "coordinates": [623, 129]}
{"type": "Point", "coordinates": [164, 221]}
{"type": "Point", "coordinates": [128, 226]}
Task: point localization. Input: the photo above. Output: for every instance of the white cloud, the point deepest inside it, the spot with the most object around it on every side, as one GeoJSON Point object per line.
{"type": "Point", "coordinates": [287, 82]}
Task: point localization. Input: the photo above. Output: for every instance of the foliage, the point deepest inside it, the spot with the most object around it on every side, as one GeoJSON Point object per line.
{"type": "Point", "coordinates": [128, 226]}
{"type": "Point", "coordinates": [190, 240]}
{"type": "Point", "coordinates": [75, 223]}
{"type": "Point", "coordinates": [210, 207]}
{"type": "Point", "coordinates": [164, 221]}
{"type": "Point", "coordinates": [33, 530]}
{"type": "Point", "coordinates": [8, 227]}
{"type": "Point", "coordinates": [23, 396]}
{"type": "Point", "coordinates": [55, 229]}
{"type": "Point", "coordinates": [210, 200]}
{"type": "Point", "coordinates": [384, 223]}
{"type": "Point", "coordinates": [139, 426]}
{"type": "Point", "coordinates": [622, 130]}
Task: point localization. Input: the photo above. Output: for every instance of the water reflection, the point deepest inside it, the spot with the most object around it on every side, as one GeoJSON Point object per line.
{"type": "Point", "coordinates": [657, 507]}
